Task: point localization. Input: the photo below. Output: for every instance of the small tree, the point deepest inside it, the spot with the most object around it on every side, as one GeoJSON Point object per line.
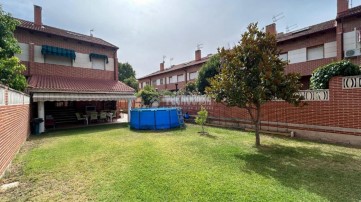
{"type": "Point", "coordinates": [201, 119]}
{"type": "Point", "coordinates": [208, 70]}
{"type": "Point", "coordinates": [10, 67]}
{"type": "Point", "coordinates": [322, 75]}
{"type": "Point", "coordinates": [149, 95]}
{"type": "Point", "coordinates": [252, 74]}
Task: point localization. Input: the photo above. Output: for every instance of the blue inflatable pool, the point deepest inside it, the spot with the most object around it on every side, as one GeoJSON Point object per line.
{"type": "Point", "coordinates": [154, 118]}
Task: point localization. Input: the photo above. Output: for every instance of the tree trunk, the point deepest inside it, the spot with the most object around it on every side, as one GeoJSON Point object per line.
{"type": "Point", "coordinates": [257, 125]}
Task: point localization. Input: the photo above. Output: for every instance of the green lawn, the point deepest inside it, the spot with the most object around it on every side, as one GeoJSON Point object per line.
{"type": "Point", "coordinates": [112, 163]}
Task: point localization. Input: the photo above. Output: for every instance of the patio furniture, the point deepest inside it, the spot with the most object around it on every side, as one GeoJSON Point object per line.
{"type": "Point", "coordinates": [82, 118]}
{"type": "Point", "coordinates": [114, 114]}
{"type": "Point", "coordinates": [93, 116]}
{"type": "Point", "coordinates": [103, 116]}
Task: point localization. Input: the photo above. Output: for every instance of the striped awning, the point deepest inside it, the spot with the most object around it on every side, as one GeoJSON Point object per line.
{"type": "Point", "coordinates": [51, 50]}
{"type": "Point", "coordinates": [42, 97]}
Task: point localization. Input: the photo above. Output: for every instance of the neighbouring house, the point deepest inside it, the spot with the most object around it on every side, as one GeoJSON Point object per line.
{"type": "Point", "coordinates": [176, 76]}
{"type": "Point", "coordinates": [68, 72]}
{"type": "Point", "coordinates": [320, 44]}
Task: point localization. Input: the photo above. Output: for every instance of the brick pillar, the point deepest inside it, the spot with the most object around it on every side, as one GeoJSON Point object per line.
{"type": "Point", "coordinates": [116, 78]}
{"type": "Point", "coordinates": [271, 29]}
{"type": "Point", "coordinates": [342, 6]}
{"type": "Point", "coordinates": [339, 40]}
{"type": "Point", "coordinates": [37, 16]}
{"type": "Point", "coordinates": [198, 55]}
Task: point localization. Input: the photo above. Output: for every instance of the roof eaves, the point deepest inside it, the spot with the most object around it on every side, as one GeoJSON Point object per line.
{"type": "Point", "coordinates": [63, 33]}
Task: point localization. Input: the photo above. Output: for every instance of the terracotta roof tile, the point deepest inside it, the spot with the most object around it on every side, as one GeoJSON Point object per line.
{"type": "Point", "coordinates": [307, 31]}
{"type": "Point", "coordinates": [179, 66]}
{"type": "Point", "coordinates": [68, 84]}
{"type": "Point", "coordinates": [64, 33]}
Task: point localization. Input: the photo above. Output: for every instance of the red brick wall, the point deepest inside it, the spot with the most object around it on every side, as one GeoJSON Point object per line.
{"type": "Point", "coordinates": [336, 120]}
{"type": "Point", "coordinates": [14, 130]}
{"type": "Point", "coordinates": [60, 70]}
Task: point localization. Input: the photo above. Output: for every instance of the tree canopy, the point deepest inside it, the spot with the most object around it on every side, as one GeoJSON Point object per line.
{"type": "Point", "coordinates": [208, 70]}
{"type": "Point", "coordinates": [10, 67]}
{"type": "Point", "coordinates": [253, 74]}
{"type": "Point", "coordinates": [125, 71]}
{"type": "Point", "coordinates": [132, 82]}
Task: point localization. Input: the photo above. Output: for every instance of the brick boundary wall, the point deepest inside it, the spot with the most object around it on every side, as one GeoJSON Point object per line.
{"type": "Point", "coordinates": [14, 125]}
{"type": "Point", "coordinates": [336, 120]}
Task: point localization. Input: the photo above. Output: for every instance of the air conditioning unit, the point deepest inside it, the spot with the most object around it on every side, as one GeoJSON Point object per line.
{"type": "Point", "coordinates": [352, 53]}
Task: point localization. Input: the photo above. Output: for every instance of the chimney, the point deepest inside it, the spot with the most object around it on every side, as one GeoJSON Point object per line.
{"type": "Point", "coordinates": [198, 55]}
{"type": "Point", "coordinates": [271, 29]}
{"type": "Point", "coordinates": [162, 66]}
{"type": "Point", "coordinates": [37, 16]}
{"type": "Point", "coordinates": [342, 6]}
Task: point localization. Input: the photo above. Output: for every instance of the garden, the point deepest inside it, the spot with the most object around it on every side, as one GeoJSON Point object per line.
{"type": "Point", "coordinates": [113, 163]}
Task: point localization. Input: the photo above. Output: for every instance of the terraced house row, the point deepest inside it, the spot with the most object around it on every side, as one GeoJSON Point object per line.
{"type": "Point", "coordinates": [305, 49]}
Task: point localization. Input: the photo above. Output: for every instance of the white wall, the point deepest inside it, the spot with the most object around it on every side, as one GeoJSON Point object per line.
{"type": "Point", "coordinates": [24, 55]}
{"type": "Point", "coordinates": [298, 55]}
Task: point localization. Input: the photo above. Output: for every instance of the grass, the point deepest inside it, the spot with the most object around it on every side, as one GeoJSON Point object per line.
{"type": "Point", "coordinates": [112, 163]}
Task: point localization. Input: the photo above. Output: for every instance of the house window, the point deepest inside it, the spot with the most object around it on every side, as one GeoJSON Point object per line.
{"type": "Point", "coordinates": [57, 60]}
{"type": "Point", "coordinates": [158, 82]}
{"type": "Point", "coordinates": [172, 79]}
{"type": "Point", "coordinates": [161, 81]}
{"type": "Point", "coordinates": [98, 63]}
{"type": "Point", "coordinates": [2, 96]}
{"type": "Point", "coordinates": [315, 53]}
{"type": "Point", "coordinates": [283, 57]}
{"type": "Point", "coordinates": [180, 78]}
{"type": "Point", "coordinates": [154, 82]}
{"type": "Point", "coordinates": [193, 75]}
{"type": "Point", "coordinates": [58, 56]}
{"type": "Point", "coordinates": [144, 84]}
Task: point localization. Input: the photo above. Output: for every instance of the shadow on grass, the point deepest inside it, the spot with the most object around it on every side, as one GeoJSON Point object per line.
{"type": "Point", "coordinates": [79, 131]}
{"type": "Point", "coordinates": [334, 176]}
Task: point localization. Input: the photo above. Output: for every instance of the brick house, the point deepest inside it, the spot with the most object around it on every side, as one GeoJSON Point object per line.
{"type": "Point", "coordinates": [320, 44]}
{"type": "Point", "coordinates": [68, 72]}
{"type": "Point", "coordinates": [176, 76]}
{"type": "Point", "coordinates": [305, 49]}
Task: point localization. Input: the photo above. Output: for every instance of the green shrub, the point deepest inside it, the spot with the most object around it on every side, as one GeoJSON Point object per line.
{"type": "Point", "coordinates": [322, 75]}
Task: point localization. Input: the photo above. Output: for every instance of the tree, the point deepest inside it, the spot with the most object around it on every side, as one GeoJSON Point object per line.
{"type": "Point", "coordinates": [125, 71]}
{"type": "Point", "coordinates": [322, 75]}
{"type": "Point", "coordinates": [132, 82]}
{"type": "Point", "coordinates": [208, 70]}
{"type": "Point", "coordinates": [10, 67]}
{"type": "Point", "coordinates": [149, 95]}
{"type": "Point", "coordinates": [201, 119]}
{"type": "Point", "coordinates": [252, 74]}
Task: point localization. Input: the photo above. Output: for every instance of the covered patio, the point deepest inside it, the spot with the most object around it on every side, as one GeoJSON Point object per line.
{"type": "Point", "coordinates": [63, 101]}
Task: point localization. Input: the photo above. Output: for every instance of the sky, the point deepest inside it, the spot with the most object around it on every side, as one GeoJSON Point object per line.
{"type": "Point", "coordinates": [147, 30]}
